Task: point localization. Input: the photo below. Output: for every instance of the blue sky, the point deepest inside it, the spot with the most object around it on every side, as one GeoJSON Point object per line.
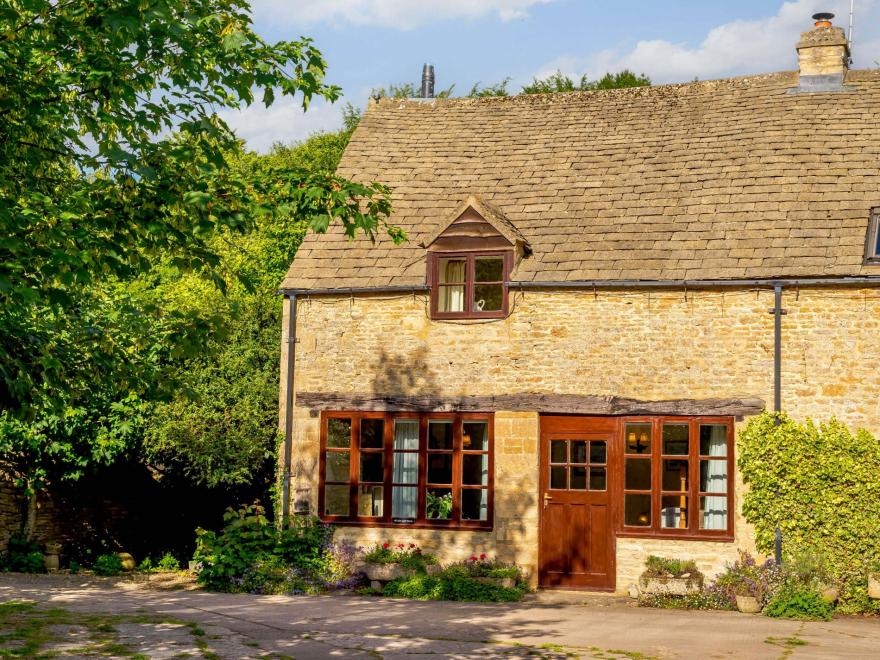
{"type": "Point", "coordinates": [370, 43]}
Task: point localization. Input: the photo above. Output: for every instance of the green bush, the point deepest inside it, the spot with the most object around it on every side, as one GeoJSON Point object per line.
{"type": "Point", "coordinates": [303, 543]}
{"type": "Point", "coordinates": [453, 583]}
{"type": "Point", "coordinates": [408, 556]}
{"type": "Point", "coordinates": [821, 486]}
{"type": "Point", "coordinates": [799, 602]}
{"type": "Point", "coordinates": [168, 562]}
{"type": "Point", "coordinates": [107, 565]}
{"type": "Point", "coordinates": [22, 556]}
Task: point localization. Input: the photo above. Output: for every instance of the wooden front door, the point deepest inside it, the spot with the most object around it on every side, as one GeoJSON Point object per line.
{"type": "Point", "coordinates": [577, 544]}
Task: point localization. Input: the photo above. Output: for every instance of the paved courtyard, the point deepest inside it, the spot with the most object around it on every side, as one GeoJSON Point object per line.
{"type": "Point", "coordinates": [167, 624]}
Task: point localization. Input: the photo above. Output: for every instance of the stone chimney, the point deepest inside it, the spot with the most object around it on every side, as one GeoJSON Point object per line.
{"type": "Point", "coordinates": [823, 53]}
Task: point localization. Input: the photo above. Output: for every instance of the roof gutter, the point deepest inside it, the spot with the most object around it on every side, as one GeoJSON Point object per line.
{"type": "Point", "coordinates": [349, 290]}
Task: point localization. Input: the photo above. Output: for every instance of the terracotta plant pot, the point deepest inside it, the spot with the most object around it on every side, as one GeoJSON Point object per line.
{"type": "Point", "coordinates": [748, 604]}
{"type": "Point", "coordinates": [873, 585]}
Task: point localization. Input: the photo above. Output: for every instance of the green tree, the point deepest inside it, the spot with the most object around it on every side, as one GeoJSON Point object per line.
{"type": "Point", "coordinates": [498, 89]}
{"type": "Point", "coordinates": [114, 161]}
{"type": "Point", "coordinates": [559, 82]}
{"type": "Point", "coordinates": [407, 91]}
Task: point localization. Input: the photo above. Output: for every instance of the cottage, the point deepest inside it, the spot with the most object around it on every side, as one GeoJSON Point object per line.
{"type": "Point", "coordinates": [598, 290]}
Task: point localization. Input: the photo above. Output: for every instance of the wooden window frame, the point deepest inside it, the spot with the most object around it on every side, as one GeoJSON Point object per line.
{"type": "Point", "coordinates": [872, 243]}
{"type": "Point", "coordinates": [693, 457]}
{"type": "Point", "coordinates": [469, 284]}
{"type": "Point", "coordinates": [421, 521]}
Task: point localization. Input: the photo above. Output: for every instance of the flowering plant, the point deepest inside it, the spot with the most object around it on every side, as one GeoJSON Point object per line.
{"type": "Point", "coordinates": [483, 566]}
{"type": "Point", "coordinates": [747, 577]}
{"type": "Point", "coordinates": [408, 556]}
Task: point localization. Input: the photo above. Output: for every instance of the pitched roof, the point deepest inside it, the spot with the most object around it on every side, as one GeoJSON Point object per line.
{"type": "Point", "coordinates": [724, 179]}
{"type": "Point", "coordinates": [490, 214]}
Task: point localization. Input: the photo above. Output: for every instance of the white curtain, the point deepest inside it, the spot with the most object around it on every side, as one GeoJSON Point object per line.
{"type": "Point", "coordinates": [452, 297]}
{"type": "Point", "coordinates": [404, 499]}
{"type": "Point", "coordinates": [715, 508]}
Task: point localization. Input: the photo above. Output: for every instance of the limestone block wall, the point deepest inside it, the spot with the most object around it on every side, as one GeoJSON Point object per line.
{"type": "Point", "coordinates": [644, 344]}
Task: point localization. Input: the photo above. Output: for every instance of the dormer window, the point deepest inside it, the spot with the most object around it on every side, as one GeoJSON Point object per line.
{"type": "Point", "coordinates": [469, 261]}
{"type": "Point", "coordinates": [469, 285]}
{"type": "Point", "coordinates": [872, 254]}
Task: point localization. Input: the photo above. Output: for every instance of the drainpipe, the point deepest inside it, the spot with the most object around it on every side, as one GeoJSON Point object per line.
{"type": "Point", "coordinates": [288, 408]}
{"type": "Point", "coordinates": [777, 312]}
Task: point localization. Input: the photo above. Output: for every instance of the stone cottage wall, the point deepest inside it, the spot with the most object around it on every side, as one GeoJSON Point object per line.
{"type": "Point", "coordinates": [644, 344]}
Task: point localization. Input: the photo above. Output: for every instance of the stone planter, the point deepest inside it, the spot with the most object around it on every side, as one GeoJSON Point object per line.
{"type": "Point", "coordinates": [672, 586]}
{"type": "Point", "coordinates": [503, 582]}
{"type": "Point", "coordinates": [748, 604]}
{"type": "Point", "coordinates": [386, 572]}
{"type": "Point", "coordinates": [874, 585]}
{"type": "Point", "coordinates": [51, 560]}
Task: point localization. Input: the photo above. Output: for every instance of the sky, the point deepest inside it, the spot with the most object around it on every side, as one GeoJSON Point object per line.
{"type": "Point", "coordinates": [374, 43]}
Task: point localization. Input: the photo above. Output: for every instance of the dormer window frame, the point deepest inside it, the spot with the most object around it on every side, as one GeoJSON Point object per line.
{"type": "Point", "coordinates": [470, 283]}
{"type": "Point", "coordinates": [872, 244]}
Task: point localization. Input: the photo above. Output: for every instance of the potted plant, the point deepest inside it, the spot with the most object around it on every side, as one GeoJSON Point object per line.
{"type": "Point", "coordinates": [384, 563]}
{"type": "Point", "coordinates": [748, 584]}
{"type": "Point", "coordinates": [492, 571]}
{"type": "Point", "coordinates": [874, 580]}
{"type": "Point", "coordinates": [673, 577]}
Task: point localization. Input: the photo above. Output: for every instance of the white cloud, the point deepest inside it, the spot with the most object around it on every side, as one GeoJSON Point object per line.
{"type": "Point", "coordinates": [403, 14]}
{"type": "Point", "coordinates": [283, 121]}
{"type": "Point", "coordinates": [736, 48]}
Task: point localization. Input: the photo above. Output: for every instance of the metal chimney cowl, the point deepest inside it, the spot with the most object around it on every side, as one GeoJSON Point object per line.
{"type": "Point", "coordinates": [428, 81]}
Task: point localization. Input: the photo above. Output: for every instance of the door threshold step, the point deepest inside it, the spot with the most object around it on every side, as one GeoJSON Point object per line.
{"type": "Point", "coordinates": [578, 597]}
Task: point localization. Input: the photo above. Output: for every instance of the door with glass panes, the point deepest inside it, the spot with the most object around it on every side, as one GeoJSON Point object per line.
{"type": "Point", "coordinates": [577, 539]}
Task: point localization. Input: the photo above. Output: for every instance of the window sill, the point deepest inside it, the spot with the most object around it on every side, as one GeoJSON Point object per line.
{"type": "Point", "coordinates": [666, 536]}
{"type": "Point", "coordinates": [448, 526]}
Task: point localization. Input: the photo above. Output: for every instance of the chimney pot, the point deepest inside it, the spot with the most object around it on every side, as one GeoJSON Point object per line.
{"type": "Point", "coordinates": [823, 19]}
{"type": "Point", "coordinates": [428, 81]}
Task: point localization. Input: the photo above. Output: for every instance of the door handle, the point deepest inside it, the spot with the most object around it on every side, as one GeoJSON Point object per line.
{"type": "Point", "coordinates": [547, 498]}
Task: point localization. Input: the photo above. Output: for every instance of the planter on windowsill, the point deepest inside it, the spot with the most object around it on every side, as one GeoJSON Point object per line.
{"type": "Point", "coordinates": [503, 582]}
{"type": "Point", "coordinates": [874, 585]}
{"type": "Point", "coordinates": [671, 586]}
{"type": "Point", "coordinates": [748, 604]}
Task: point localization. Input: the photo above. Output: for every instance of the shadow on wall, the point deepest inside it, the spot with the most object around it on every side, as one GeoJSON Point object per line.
{"type": "Point", "coordinates": [407, 374]}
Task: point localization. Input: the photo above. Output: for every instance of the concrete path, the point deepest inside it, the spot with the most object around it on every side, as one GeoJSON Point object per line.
{"type": "Point", "coordinates": [244, 626]}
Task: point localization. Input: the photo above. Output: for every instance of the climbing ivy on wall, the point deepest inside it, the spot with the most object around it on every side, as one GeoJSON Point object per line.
{"type": "Point", "coordinates": [821, 486]}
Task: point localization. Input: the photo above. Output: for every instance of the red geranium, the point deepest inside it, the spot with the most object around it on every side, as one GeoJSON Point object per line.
{"type": "Point", "coordinates": [473, 558]}
{"type": "Point", "coordinates": [386, 545]}
{"type": "Point", "coordinates": [483, 556]}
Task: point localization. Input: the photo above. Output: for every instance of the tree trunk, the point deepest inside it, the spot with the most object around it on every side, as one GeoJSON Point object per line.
{"type": "Point", "coordinates": [30, 520]}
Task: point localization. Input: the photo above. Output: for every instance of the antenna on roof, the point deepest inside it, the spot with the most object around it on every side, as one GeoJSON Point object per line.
{"type": "Point", "coordinates": [849, 37]}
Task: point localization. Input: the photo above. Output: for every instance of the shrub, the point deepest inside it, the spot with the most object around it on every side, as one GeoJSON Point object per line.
{"type": "Point", "coordinates": [483, 566]}
{"type": "Point", "coordinates": [340, 568]}
{"type": "Point", "coordinates": [746, 577]}
{"type": "Point", "coordinates": [799, 602]}
{"type": "Point", "coordinates": [408, 556]}
{"type": "Point", "coordinates": [270, 574]}
{"type": "Point", "coordinates": [304, 542]}
{"type": "Point", "coordinates": [821, 486]}
{"type": "Point", "coordinates": [168, 562]}
{"type": "Point", "coordinates": [22, 556]}
{"type": "Point", "coordinates": [453, 583]}
{"type": "Point", "coordinates": [107, 565]}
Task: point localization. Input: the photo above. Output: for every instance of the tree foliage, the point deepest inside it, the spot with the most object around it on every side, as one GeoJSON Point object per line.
{"type": "Point", "coordinates": [115, 162]}
{"type": "Point", "coordinates": [821, 487]}
{"type": "Point", "coordinates": [559, 82]}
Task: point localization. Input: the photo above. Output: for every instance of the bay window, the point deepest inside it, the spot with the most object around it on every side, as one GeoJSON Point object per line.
{"type": "Point", "coordinates": [403, 469]}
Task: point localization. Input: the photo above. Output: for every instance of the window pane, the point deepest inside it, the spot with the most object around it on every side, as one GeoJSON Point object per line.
{"type": "Point", "coordinates": [440, 468]}
{"type": "Point", "coordinates": [451, 298]}
{"type": "Point", "coordinates": [489, 269]}
{"type": "Point", "coordinates": [877, 244]}
{"type": "Point", "coordinates": [559, 477]}
{"type": "Point", "coordinates": [713, 440]}
{"type": "Point", "coordinates": [578, 451]}
{"type": "Point", "coordinates": [339, 433]}
{"type": "Point", "coordinates": [638, 474]}
{"type": "Point", "coordinates": [475, 469]}
{"type": "Point", "coordinates": [474, 504]}
{"type": "Point", "coordinates": [713, 476]}
{"type": "Point", "coordinates": [475, 436]}
{"type": "Point", "coordinates": [578, 478]}
{"type": "Point", "coordinates": [440, 435]}
{"type": "Point", "coordinates": [371, 500]}
{"type": "Point", "coordinates": [675, 439]}
{"type": "Point", "coordinates": [338, 463]}
{"type": "Point", "coordinates": [404, 502]}
{"type": "Point", "coordinates": [598, 479]}
{"type": "Point", "coordinates": [675, 475]}
{"type": "Point", "coordinates": [452, 271]}
{"type": "Point", "coordinates": [488, 297]}
{"type": "Point", "coordinates": [673, 512]}
{"type": "Point", "coordinates": [558, 451]}
{"type": "Point", "coordinates": [372, 466]}
{"type": "Point", "coordinates": [638, 438]}
{"type": "Point", "coordinates": [597, 452]}
{"type": "Point", "coordinates": [372, 433]}
{"type": "Point", "coordinates": [406, 468]}
{"type": "Point", "coordinates": [637, 510]}
{"type": "Point", "coordinates": [336, 500]}
{"type": "Point", "coordinates": [406, 434]}
{"type": "Point", "coordinates": [713, 513]}
{"type": "Point", "coordinates": [438, 504]}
